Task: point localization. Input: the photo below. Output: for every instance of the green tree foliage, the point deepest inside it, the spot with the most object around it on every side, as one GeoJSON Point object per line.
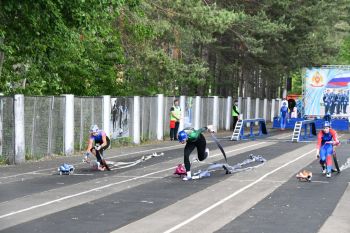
{"type": "Point", "coordinates": [297, 82]}
{"type": "Point", "coordinates": [145, 47]}
{"type": "Point", "coordinates": [344, 53]}
{"type": "Point", "coordinates": [163, 40]}
{"type": "Point", "coordinates": [54, 47]}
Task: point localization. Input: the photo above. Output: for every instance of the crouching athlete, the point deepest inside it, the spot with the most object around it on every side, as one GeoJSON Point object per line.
{"type": "Point", "coordinates": [193, 139]}
{"type": "Point", "coordinates": [98, 142]}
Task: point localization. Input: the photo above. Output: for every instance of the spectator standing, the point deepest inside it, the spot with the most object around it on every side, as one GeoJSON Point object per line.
{"type": "Point", "coordinates": [175, 114]}
{"type": "Point", "coordinates": [235, 114]}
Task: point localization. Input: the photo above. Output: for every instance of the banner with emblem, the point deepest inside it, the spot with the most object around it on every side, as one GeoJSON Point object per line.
{"type": "Point", "coordinates": [326, 92]}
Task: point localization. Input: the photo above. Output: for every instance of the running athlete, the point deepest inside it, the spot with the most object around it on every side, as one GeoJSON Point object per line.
{"type": "Point", "coordinates": [326, 139]}
{"type": "Point", "coordinates": [98, 142]}
{"type": "Point", "coordinates": [193, 139]}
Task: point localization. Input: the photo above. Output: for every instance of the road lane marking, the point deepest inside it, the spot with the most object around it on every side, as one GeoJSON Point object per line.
{"type": "Point", "coordinates": [107, 186]}
{"type": "Point", "coordinates": [194, 217]}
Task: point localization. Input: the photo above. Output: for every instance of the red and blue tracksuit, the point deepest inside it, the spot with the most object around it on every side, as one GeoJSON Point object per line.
{"type": "Point", "coordinates": [326, 149]}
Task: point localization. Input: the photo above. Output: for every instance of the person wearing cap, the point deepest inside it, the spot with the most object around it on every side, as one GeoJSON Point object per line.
{"type": "Point", "coordinates": [194, 139]}
{"type": "Point", "coordinates": [326, 139]}
{"type": "Point", "coordinates": [98, 142]}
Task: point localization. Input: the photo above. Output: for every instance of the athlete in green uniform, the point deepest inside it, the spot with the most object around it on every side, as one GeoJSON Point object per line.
{"type": "Point", "coordinates": [194, 139]}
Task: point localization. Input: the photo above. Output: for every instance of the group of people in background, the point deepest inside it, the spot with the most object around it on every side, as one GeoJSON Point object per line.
{"type": "Point", "coordinates": [335, 102]}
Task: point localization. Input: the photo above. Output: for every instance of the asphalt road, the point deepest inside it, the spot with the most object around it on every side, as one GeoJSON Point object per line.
{"type": "Point", "coordinates": [147, 197]}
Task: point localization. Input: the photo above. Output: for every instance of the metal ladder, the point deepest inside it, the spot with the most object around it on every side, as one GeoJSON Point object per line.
{"type": "Point", "coordinates": [297, 130]}
{"type": "Point", "coordinates": [237, 130]}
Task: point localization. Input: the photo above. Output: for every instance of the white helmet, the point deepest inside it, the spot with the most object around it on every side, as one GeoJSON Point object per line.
{"type": "Point", "coordinates": [93, 129]}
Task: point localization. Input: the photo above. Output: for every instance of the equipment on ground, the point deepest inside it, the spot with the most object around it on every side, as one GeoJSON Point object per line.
{"type": "Point", "coordinates": [66, 169]}
{"type": "Point", "coordinates": [120, 165]}
{"type": "Point", "coordinates": [219, 145]}
{"type": "Point", "coordinates": [304, 175]}
{"type": "Point", "coordinates": [180, 170]}
{"type": "Point", "coordinates": [239, 167]}
{"type": "Point", "coordinates": [336, 161]}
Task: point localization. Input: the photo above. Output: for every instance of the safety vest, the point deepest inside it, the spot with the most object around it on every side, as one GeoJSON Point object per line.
{"type": "Point", "coordinates": [176, 112]}
{"type": "Point", "coordinates": [234, 113]}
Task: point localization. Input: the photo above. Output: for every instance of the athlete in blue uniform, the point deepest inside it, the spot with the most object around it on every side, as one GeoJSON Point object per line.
{"type": "Point", "coordinates": [283, 115]}
{"type": "Point", "coordinates": [326, 139]}
{"type": "Point", "coordinates": [98, 142]}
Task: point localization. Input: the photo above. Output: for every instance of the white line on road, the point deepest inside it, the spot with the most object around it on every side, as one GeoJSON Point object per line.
{"type": "Point", "coordinates": [233, 194]}
{"type": "Point", "coordinates": [48, 169]}
{"type": "Point", "coordinates": [105, 186]}
{"type": "Point", "coordinates": [319, 181]}
{"type": "Point", "coordinates": [131, 153]}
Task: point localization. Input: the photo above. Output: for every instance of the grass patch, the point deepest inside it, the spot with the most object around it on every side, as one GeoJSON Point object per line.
{"type": "Point", "coordinates": [124, 141]}
{"type": "Point", "coordinates": [4, 160]}
{"type": "Point", "coordinates": [36, 157]}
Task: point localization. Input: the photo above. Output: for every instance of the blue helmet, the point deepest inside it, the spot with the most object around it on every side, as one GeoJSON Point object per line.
{"type": "Point", "coordinates": [327, 124]}
{"type": "Point", "coordinates": [182, 136]}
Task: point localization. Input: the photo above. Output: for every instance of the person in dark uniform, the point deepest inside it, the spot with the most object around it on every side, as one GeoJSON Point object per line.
{"type": "Point", "coordinates": [345, 101]}
{"type": "Point", "coordinates": [327, 101]}
{"type": "Point", "coordinates": [333, 103]}
{"type": "Point", "coordinates": [338, 97]}
{"type": "Point", "coordinates": [291, 105]}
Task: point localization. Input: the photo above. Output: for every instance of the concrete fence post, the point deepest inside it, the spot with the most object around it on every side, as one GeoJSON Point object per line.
{"type": "Point", "coordinates": [137, 119]}
{"type": "Point", "coordinates": [228, 113]}
{"type": "Point", "coordinates": [106, 122]}
{"type": "Point", "coordinates": [19, 140]}
{"type": "Point", "coordinates": [69, 125]}
{"type": "Point", "coordinates": [216, 112]}
{"type": "Point", "coordinates": [249, 106]}
{"type": "Point", "coordinates": [160, 116]}
{"type": "Point", "coordinates": [257, 108]}
{"type": "Point", "coordinates": [182, 116]}
{"type": "Point", "coordinates": [273, 103]}
{"type": "Point", "coordinates": [241, 114]}
{"type": "Point", "coordinates": [1, 123]}
{"type": "Point", "coordinates": [265, 110]}
{"type": "Point", "coordinates": [197, 112]}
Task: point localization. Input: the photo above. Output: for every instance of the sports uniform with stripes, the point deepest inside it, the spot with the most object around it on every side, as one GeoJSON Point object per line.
{"type": "Point", "coordinates": [325, 146]}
